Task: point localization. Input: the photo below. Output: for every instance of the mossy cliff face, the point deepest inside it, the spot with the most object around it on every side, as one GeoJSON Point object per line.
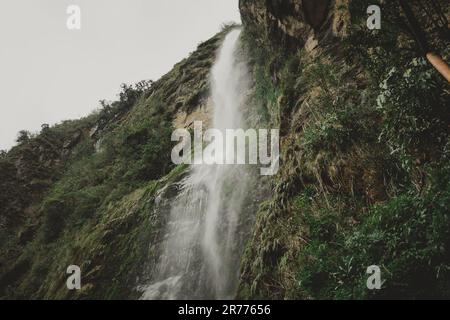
{"type": "Point", "coordinates": [364, 176]}
{"type": "Point", "coordinates": [96, 192]}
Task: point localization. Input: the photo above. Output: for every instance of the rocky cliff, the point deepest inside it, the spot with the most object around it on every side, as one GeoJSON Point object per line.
{"type": "Point", "coordinates": [85, 192]}
{"type": "Point", "coordinates": [363, 181]}
{"type": "Point", "coordinates": [289, 24]}
{"type": "Point", "coordinates": [364, 174]}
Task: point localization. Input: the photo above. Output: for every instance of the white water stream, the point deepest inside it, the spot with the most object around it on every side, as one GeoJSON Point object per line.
{"type": "Point", "coordinates": [202, 243]}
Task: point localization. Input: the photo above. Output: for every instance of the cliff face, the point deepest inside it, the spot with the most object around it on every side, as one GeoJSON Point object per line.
{"type": "Point", "coordinates": [364, 177]}
{"type": "Point", "coordinates": [288, 25]}
{"type": "Point", "coordinates": [364, 143]}
{"type": "Point", "coordinates": [95, 192]}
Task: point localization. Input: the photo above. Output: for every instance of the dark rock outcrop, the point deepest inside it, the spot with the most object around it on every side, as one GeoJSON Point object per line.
{"type": "Point", "coordinates": [288, 24]}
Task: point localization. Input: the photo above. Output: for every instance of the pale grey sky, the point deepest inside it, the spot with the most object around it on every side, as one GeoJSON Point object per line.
{"type": "Point", "coordinates": [49, 73]}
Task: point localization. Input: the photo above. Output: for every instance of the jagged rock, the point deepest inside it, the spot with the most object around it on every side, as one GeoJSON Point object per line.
{"type": "Point", "coordinates": [290, 24]}
{"type": "Point", "coordinates": [94, 130]}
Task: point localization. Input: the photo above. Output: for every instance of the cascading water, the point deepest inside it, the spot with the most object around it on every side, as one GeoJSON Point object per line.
{"type": "Point", "coordinates": [202, 244]}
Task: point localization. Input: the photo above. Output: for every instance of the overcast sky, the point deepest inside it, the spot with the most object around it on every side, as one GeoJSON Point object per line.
{"type": "Point", "coordinates": [49, 73]}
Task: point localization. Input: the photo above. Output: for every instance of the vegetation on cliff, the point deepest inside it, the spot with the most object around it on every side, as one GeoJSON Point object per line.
{"type": "Point", "coordinates": [365, 157]}
{"type": "Point", "coordinates": [84, 192]}
{"type": "Point", "coordinates": [364, 177]}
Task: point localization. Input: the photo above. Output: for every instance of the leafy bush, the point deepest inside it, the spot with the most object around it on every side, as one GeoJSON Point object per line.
{"type": "Point", "coordinates": [23, 136]}
{"type": "Point", "coordinates": [408, 237]}
{"type": "Point", "coordinates": [88, 200]}
{"type": "Point", "coordinates": [339, 130]}
{"type": "Point", "coordinates": [149, 145]}
{"type": "Point", "coordinates": [414, 105]}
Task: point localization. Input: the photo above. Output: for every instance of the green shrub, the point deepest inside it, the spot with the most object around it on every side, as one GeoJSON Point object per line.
{"type": "Point", "coordinates": [415, 109]}
{"type": "Point", "coordinates": [340, 129]}
{"type": "Point", "coordinates": [408, 238]}
{"type": "Point", "coordinates": [149, 145]}
{"type": "Point", "coordinates": [88, 200]}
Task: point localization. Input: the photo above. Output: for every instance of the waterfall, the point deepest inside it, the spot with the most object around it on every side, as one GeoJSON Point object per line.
{"type": "Point", "coordinates": [203, 242]}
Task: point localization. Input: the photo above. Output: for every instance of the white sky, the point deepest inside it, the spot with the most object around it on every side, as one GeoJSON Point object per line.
{"type": "Point", "coordinates": [49, 74]}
